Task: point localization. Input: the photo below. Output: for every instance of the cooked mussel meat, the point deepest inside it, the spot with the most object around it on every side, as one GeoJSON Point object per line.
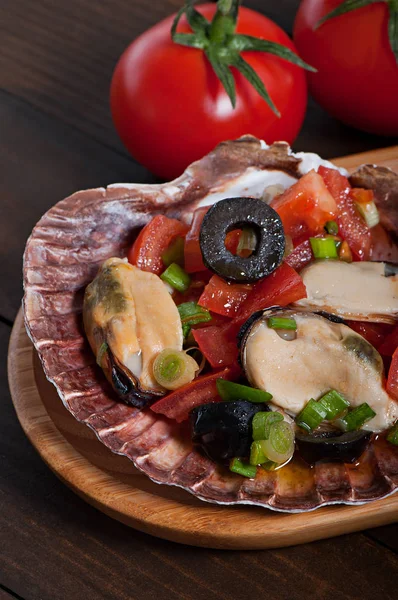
{"type": "Point", "coordinates": [129, 318]}
{"type": "Point", "coordinates": [235, 213]}
{"type": "Point", "coordinates": [223, 430]}
{"type": "Point", "coordinates": [345, 447]}
{"type": "Point", "coordinates": [363, 291]}
{"type": "Point", "coordinates": [321, 356]}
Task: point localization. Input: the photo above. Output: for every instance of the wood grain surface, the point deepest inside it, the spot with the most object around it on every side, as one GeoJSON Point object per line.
{"type": "Point", "coordinates": [56, 136]}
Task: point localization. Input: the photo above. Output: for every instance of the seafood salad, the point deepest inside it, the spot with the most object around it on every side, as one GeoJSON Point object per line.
{"type": "Point", "coordinates": [248, 333]}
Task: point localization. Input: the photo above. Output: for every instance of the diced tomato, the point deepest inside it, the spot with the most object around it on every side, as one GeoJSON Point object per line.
{"type": "Point", "coordinates": [218, 343]}
{"type": "Point", "coordinates": [392, 381]}
{"type": "Point", "coordinates": [152, 241]}
{"type": "Point", "coordinates": [305, 207]}
{"type": "Point", "coordinates": [232, 240]}
{"type": "Point", "coordinates": [374, 333]}
{"type": "Point", "coordinates": [222, 297]}
{"type": "Point", "coordinates": [390, 344]}
{"type": "Point", "coordinates": [281, 288]}
{"type": "Point", "coordinates": [362, 196]}
{"type": "Point", "coordinates": [192, 253]}
{"type": "Point", "coordinates": [352, 227]}
{"type": "Point", "coordinates": [301, 256]}
{"type": "Point", "coordinates": [178, 404]}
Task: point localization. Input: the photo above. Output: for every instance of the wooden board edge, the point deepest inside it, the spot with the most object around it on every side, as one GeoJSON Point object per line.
{"type": "Point", "coordinates": [385, 156]}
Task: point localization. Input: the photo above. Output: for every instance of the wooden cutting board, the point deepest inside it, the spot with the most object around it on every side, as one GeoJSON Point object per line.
{"type": "Point", "coordinates": [112, 484]}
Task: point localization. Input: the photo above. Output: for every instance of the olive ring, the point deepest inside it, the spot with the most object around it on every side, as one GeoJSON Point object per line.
{"type": "Point", "coordinates": [235, 213]}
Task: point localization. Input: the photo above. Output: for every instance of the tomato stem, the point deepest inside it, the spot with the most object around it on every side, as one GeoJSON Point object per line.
{"type": "Point", "coordinates": [223, 46]}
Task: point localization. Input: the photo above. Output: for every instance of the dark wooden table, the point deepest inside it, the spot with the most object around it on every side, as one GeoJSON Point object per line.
{"type": "Point", "coordinates": [56, 136]}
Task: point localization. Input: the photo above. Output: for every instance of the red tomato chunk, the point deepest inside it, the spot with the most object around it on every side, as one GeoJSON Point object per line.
{"type": "Point", "coordinates": [222, 297]}
{"type": "Point", "coordinates": [193, 255]}
{"type": "Point", "coordinates": [218, 343]}
{"type": "Point", "coordinates": [281, 288]}
{"type": "Point", "coordinates": [202, 390]}
{"type": "Point", "coordinates": [152, 241]}
{"type": "Point", "coordinates": [392, 381]}
{"type": "Point", "coordinates": [351, 225]}
{"type": "Point", "coordinates": [305, 207]}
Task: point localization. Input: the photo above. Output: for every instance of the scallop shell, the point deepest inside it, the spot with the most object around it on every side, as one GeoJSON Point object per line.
{"type": "Point", "coordinates": [62, 256]}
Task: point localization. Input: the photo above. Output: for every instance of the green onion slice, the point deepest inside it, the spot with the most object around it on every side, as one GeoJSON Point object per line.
{"type": "Point", "coordinates": [262, 422]}
{"type": "Point", "coordinates": [334, 404]}
{"type": "Point", "coordinates": [175, 276]}
{"type": "Point", "coordinates": [279, 447]}
{"type": "Point", "coordinates": [311, 416]}
{"type": "Point", "coordinates": [235, 391]}
{"type": "Point", "coordinates": [369, 213]}
{"type": "Point", "coordinates": [331, 227]}
{"type": "Point", "coordinates": [286, 323]}
{"type": "Point", "coordinates": [357, 417]}
{"type": "Point", "coordinates": [257, 456]}
{"type": "Point", "coordinates": [192, 314]}
{"type": "Point", "coordinates": [174, 253]}
{"type": "Point", "coordinates": [173, 368]}
{"type": "Point", "coordinates": [247, 241]}
{"type": "Point", "coordinates": [392, 436]}
{"type": "Point", "coordinates": [242, 468]}
{"type": "Point", "coordinates": [323, 247]}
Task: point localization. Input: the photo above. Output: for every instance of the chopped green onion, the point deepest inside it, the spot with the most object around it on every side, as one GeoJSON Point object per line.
{"type": "Point", "coordinates": [311, 416]}
{"type": "Point", "coordinates": [369, 213]}
{"type": "Point", "coordinates": [242, 468]}
{"type": "Point", "coordinates": [174, 253]}
{"type": "Point", "coordinates": [323, 247]}
{"type": "Point", "coordinates": [279, 447]}
{"type": "Point", "coordinates": [101, 353]}
{"type": "Point", "coordinates": [174, 368]}
{"type": "Point", "coordinates": [282, 323]}
{"type": "Point", "coordinates": [357, 417]}
{"type": "Point", "coordinates": [262, 422]}
{"type": "Point", "coordinates": [393, 435]}
{"type": "Point", "coordinates": [235, 391]}
{"type": "Point", "coordinates": [247, 241]}
{"type": "Point", "coordinates": [332, 227]}
{"type": "Point", "coordinates": [257, 456]}
{"type": "Point", "coordinates": [191, 314]}
{"type": "Point", "coordinates": [176, 277]}
{"type": "Point", "coordinates": [334, 403]}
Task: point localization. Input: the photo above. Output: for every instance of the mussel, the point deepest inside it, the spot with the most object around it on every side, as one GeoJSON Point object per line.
{"type": "Point", "coordinates": [129, 318]}
{"type": "Point", "coordinates": [320, 355]}
{"type": "Point", "coordinates": [363, 291]}
{"type": "Point", "coordinates": [345, 447]}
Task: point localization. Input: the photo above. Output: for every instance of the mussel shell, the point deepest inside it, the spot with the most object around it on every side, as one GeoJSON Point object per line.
{"type": "Point", "coordinates": [344, 447]}
{"type": "Point", "coordinates": [128, 387]}
{"type": "Point", "coordinates": [62, 256]}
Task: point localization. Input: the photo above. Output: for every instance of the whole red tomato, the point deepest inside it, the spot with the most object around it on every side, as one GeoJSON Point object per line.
{"type": "Point", "coordinates": [170, 109]}
{"type": "Point", "coordinates": [357, 78]}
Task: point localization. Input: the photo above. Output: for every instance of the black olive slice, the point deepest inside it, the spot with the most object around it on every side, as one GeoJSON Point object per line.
{"type": "Point", "coordinates": [234, 213]}
{"type": "Point", "coordinates": [345, 447]}
{"type": "Point", "coordinates": [223, 430]}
